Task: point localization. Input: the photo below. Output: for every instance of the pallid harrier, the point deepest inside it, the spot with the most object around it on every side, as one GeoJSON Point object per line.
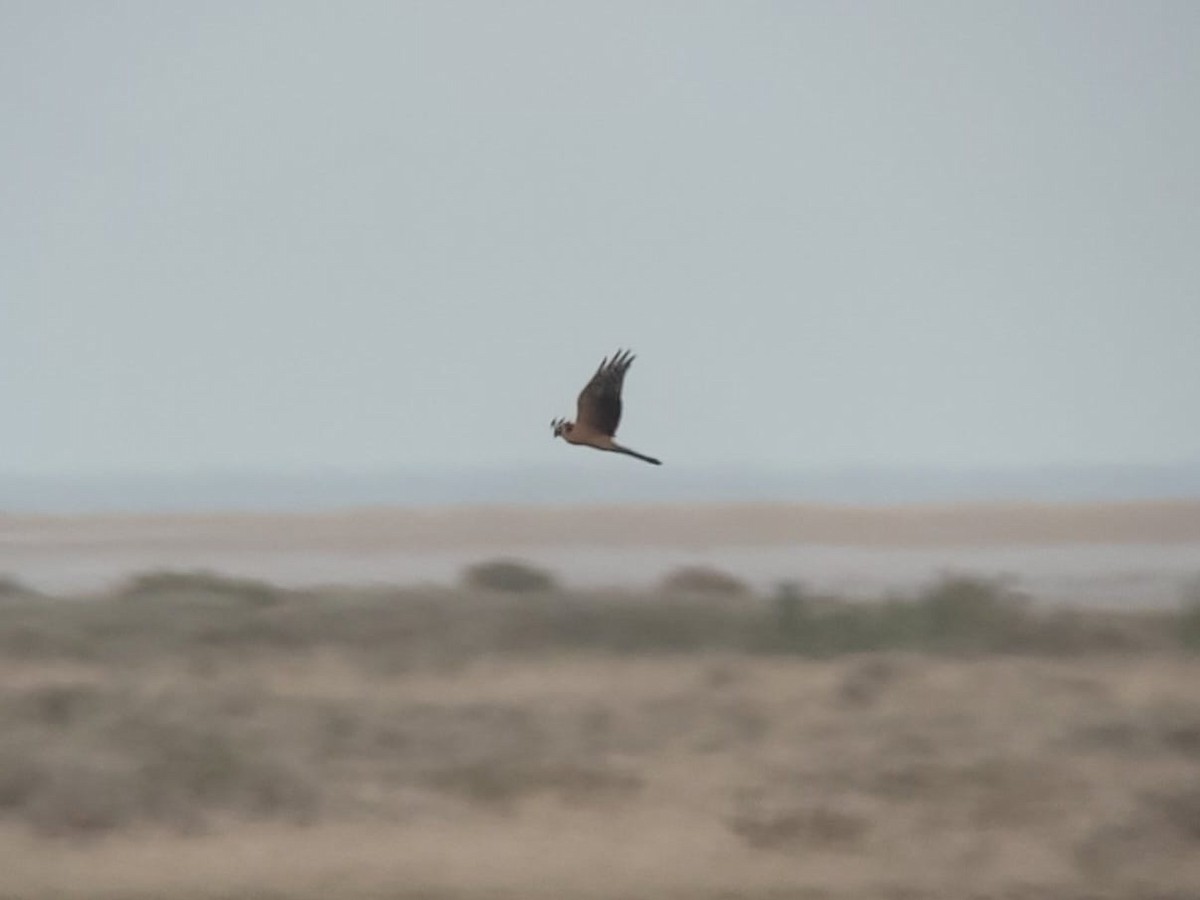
{"type": "Point", "coordinates": [598, 410]}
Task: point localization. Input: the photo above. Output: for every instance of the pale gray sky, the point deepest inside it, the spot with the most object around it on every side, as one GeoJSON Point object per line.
{"type": "Point", "coordinates": [291, 235]}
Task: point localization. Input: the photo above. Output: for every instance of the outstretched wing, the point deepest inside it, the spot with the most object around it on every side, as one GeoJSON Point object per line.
{"type": "Point", "coordinates": [599, 404]}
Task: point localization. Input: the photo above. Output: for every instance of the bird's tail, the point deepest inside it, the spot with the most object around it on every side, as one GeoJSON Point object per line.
{"type": "Point", "coordinates": [650, 459]}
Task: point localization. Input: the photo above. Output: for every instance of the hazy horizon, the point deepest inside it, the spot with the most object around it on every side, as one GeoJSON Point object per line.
{"type": "Point", "coordinates": [300, 237]}
{"type": "Point", "coordinates": [559, 483]}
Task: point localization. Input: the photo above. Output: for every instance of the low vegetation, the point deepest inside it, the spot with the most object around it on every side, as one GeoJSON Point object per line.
{"type": "Point", "coordinates": [14, 589]}
{"type": "Point", "coordinates": [789, 741]}
{"type": "Point", "coordinates": [509, 608]}
{"type": "Point", "coordinates": [509, 575]}
{"type": "Point", "coordinates": [703, 580]}
{"type": "Point", "coordinates": [197, 585]}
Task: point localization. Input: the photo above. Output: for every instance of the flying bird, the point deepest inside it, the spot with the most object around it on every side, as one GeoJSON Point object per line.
{"type": "Point", "coordinates": [598, 410]}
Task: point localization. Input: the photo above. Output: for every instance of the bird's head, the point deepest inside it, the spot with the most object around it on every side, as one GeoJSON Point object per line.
{"type": "Point", "coordinates": [561, 427]}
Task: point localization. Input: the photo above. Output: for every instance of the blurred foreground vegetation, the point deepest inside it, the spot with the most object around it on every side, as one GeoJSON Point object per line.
{"type": "Point", "coordinates": [916, 738]}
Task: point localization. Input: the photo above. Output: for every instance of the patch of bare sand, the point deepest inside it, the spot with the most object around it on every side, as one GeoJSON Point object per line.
{"type": "Point", "coordinates": [556, 855]}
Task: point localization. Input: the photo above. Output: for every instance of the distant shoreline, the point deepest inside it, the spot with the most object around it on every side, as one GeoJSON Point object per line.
{"type": "Point", "coordinates": [594, 481]}
{"type": "Point", "coordinates": [1121, 555]}
{"type": "Point", "coordinates": [689, 526]}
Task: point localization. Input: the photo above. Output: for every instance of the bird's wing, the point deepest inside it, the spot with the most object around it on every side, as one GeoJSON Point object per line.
{"type": "Point", "coordinates": [599, 404]}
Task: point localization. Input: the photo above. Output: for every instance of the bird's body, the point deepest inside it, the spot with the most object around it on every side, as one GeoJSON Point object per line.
{"type": "Point", "coordinates": [598, 410]}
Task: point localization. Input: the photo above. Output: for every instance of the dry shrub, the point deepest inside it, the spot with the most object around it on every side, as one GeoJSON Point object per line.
{"type": "Point", "coordinates": [793, 612]}
{"type": "Point", "coordinates": [866, 681]}
{"type": "Point", "coordinates": [1017, 793]}
{"type": "Point", "coordinates": [501, 784]}
{"type": "Point", "coordinates": [57, 705]}
{"type": "Point", "coordinates": [508, 575]}
{"type": "Point", "coordinates": [955, 614]}
{"type": "Point", "coordinates": [199, 583]}
{"type": "Point", "coordinates": [78, 798]}
{"type": "Point", "coordinates": [20, 772]}
{"type": "Point", "coordinates": [12, 588]}
{"type": "Point", "coordinates": [819, 827]}
{"type": "Point", "coordinates": [82, 759]}
{"type": "Point", "coordinates": [703, 580]}
{"type": "Point", "coordinates": [1179, 808]}
{"type": "Point", "coordinates": [1183, 736]}
{"type": "Point", "coordinates": [1161, 827]}
{"type": "Point", "coordinates": [1169, 728]}
{"type": "Point", "coordinates": [1189, 615]}
{"type": "Point", "coordinates": [511, 609]}
{"type": "Point", "coordinates": [672, 623]}
{"type": "Point", "coordinates": [971, 613]}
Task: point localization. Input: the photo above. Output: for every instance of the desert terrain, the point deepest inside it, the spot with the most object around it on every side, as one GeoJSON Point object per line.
{"type": "Point", "coordinates": [192, 735]}
{"type": "Point", "coordinates": [688, 777]}
{"type": "Point", "coordinates": [934, 702]}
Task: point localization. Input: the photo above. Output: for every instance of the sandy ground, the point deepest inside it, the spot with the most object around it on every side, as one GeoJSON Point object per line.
{"type": "Point", "coordinates": [868, 777]}
{"type": "Point", "coordinates": [1120, 554]}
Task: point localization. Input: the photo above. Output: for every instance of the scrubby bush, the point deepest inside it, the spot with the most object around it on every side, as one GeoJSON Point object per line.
{"type": "Point", "coordinates": [512, 608]}
{"type": "Point", "coordinates": [792, 610]}
{"type": "Point", "coordinates": [1189, 615]}
{"type": "Point", "coordinates": [509, 575]}
{"type": "Point", "coordinates": [970, 613]}
{"type": "Point", "coordinates": [12, 588]}
{"type": "Point", "coordinates": [198, 583]}
{"type": "Point", "coordinates": [953, 614]}
{"type": "Point", "coordinates": [703, 580]}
